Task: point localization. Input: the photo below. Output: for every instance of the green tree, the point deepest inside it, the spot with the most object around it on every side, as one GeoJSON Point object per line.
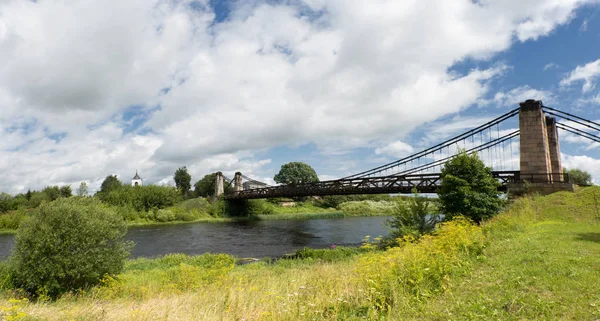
{"type": "Point", "coordinates": [67, 245]}
{"type": "Point", "coordinates": [65, 191]}
{"type": "Point", "coordinates": [295, 173]}
{"type": "Point", "coordinates": [82, 190]}
{"type": "Point", "coordinates": [53, 192]}
{"type": "Point", "coordinates": [6, 201]}
{"type": "Point", "coordinates": [110, 183]}
{"type": "Point", "coordinates": [412, 217]}
{"type": "Point", "coordinates": [579, 177]}
{"type": "Point", "coordinates": [206, 186]}
{"type": "Point", "coordinates": [468, 188]}
{"type": "Point", "coordinates": [183, 180]}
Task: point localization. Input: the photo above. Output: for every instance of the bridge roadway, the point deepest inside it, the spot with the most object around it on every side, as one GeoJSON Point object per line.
{"type": "Point", "coordinates": [424, 183]}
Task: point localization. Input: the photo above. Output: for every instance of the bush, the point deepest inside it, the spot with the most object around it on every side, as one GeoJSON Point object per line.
{"type": "Point", "coordinates": [143, 198]}
{"type": "Point", "coordinates": [67, 245]}
{"type": "Point", "coordinates": [420, 268]}
{"type": "Point", "coordinates": [413, 217]}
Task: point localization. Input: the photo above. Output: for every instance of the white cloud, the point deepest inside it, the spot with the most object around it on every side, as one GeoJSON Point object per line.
{"type": "Point", "coordinates": [520, 94]}
{"type": "Point", "coordinates": [550, 66]}
{"type": "Point", "coordinates": [396, 149]}
{"type": "Point", "coordinates": [585, 163]}
{"type": "Point", "coordinates": [586, 73]}
{"type": "Point", "coordinates": [271, 74]}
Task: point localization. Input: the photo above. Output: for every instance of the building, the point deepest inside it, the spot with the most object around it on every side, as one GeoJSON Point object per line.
{"type": "Point", "coordinates": [253, 185]}
{"type": "Point", "coordinates": [137, 180]}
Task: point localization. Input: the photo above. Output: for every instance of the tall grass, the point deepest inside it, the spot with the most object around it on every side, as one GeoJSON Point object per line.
{"type": "Point", "coordinates": [536, 261]}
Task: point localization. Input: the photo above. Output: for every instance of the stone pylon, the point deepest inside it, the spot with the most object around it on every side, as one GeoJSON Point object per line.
{"type": "Point", "coordinates": [237, 179]}
{"type": "Point", "coordinates": [219, 186]}
{"type": "Point", "coordinates": [554, 148]}
{"type": "Point", "coordinates": [539, 150]}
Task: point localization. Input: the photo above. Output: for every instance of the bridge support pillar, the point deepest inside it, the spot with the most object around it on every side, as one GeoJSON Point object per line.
{"type": "Point", "coordinates": [219, 186]}
{"type": "Point", "coordinates": [237, 179]}
{"type": "Point", "coordinates": [541, 168]}
{"type": "Point", "coordinates": [554, 148]}
{"type": "Point", "coordinates": [534, 150]}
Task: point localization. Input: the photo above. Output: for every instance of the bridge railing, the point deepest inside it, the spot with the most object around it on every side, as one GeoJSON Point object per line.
{"type": "Point", "coordinates": [424, 183]}
{"type": "Point", "coordinates": [542, 178]}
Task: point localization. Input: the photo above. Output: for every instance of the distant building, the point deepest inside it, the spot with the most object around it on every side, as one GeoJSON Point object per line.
{"type": "Point", "coordinates": [137, 180]}
{"type": "Point", "coordinates": [253, 185]}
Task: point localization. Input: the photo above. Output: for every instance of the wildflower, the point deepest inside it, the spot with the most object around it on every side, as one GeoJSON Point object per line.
{"type": "Point", "coordinates": [332, 246]}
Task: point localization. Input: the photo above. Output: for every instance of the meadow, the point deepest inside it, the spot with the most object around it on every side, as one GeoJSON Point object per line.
{"type": "Point", "coordinates": [537, 260]}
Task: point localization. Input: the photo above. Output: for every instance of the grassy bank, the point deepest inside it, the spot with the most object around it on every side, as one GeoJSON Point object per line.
{"type": "Point", "coordinates": [540, 259]}
{"type": "Point", "coordinates": [198, 210]}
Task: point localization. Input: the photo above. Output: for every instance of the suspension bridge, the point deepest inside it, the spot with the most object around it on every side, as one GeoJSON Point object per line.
{"type": "Point", "coordinates": [521, 146]}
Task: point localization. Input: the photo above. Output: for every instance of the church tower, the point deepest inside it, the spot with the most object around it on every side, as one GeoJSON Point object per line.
{"type": "Point", "coordinates": [137, 180]}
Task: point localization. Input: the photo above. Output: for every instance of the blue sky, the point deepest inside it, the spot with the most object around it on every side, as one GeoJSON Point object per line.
{"type": "Point", "coordinates": [251, 85]}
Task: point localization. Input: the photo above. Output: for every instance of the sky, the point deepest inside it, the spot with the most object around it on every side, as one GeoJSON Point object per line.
{"type": "Point", "coordinates": [96, 88]}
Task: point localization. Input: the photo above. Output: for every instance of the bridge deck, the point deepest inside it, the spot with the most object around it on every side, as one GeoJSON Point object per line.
{"type": "Point", "coordinates": [424, 183]}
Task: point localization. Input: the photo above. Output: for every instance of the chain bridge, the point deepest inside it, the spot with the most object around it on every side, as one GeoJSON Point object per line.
{"type": "Point", "coordinates": [521, 146]}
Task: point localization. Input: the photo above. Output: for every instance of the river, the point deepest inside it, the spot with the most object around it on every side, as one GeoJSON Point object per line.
{"type": "Point", "coordinates": [264, 238]}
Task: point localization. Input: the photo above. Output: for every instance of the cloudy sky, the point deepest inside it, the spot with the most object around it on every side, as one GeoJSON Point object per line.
{"type": "Point", "coordinates": [92, 88]}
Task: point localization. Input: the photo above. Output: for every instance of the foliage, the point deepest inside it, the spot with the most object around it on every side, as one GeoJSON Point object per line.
{"type": "Point", "coordinates": [367, 207]}
{"type": "Point", "coordinates": [11, 221]}
{"type": "Point", "coordinates": [206, 186]}
{"type": "Point", "coordinates": [68, 244]}
{"type": "Point", "coordinates": [579, 177]}
{"type": "Point", "coordinates": [468, 188]}
{"type": "Point", "coordinates": [183, 180]}
{"type": "Point", "coordinates": [52, 192]}
{"type": "Point", "coordinates": [413, 217]}
{"type": "Point", "coordinates": [82, 190]}
{"type": "Point", "coordinates": [340, 253]}
{"type": "Point", "coordinates": [296, 173]}
{"type": "Point", "coordinates": [142, 198]}
{"type": "Point", "coordinates": [538, 260]}
{"type": "Point", "coordinates": [65, 191]}
{"type": "Point", "coordinates": [110, 183]}
{"type": "Point", "coordinates": [420, 268]}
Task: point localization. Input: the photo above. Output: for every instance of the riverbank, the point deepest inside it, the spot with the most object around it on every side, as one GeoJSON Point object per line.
{"type": "Point", "coordinates": [200, 210]}
{"type": "Point", "coordinates": [540, 259]}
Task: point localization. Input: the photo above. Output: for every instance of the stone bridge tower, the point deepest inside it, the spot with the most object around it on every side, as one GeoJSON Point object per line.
{"type": "Point", "coordinates": [541, 167]}
{"type": "Point", "coordinates": [540, 150]}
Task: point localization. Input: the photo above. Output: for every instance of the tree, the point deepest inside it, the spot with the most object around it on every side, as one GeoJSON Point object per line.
{"type": "Point", "coordinates": [206, 186]}
{"type": "Point", "coordinates": [468, 188]}
{"type": "Point", "coordinates": [82, 190]}
{"type": "Point", "coordinates": [67, 245]}
{"type": "Point", "coordinates": [579, 177]}
{"type": "Point", "coordinates": [183, 180]}
{"type": "Point", "coordinates": [412, 217]}
{"type": "Point", "coordinates": [65, 191]}
{"type": "Point", "coordinates": [110, 183]}
{"type": "Point", "coordinates": [295, 173]}
{"type": "Point", "coordinates": [52, 192]}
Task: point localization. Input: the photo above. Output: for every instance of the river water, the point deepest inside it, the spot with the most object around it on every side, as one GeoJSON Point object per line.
{"type": "Point", "coordinates": [265, 238]}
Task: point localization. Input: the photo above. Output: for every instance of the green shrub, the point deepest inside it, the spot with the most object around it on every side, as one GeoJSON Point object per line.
{"type": "Point", "coordinates": [165, 216]}
{"type": "Point", "coordinates": [11, 220]}
{"type": "Point", "coordinates": [67, 245]}
{"type": "Point", "coordinates": [143, 198]}
{"type": "Point", "coordinates": [413, 217]}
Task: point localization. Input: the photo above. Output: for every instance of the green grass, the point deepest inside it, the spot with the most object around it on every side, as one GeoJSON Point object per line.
{"type": "Point", "coordinates": [538, 260]}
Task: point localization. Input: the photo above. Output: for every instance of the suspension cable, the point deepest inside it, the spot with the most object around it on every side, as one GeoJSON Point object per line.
{"type": "Point", "coordinates": [479, 148]}
{"type": "Point", "coordinates": [570, 115]}
{"type": "Point", "coordinates": [578, 132]}
{"type": "Point", "coordinates": [438, 146]}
